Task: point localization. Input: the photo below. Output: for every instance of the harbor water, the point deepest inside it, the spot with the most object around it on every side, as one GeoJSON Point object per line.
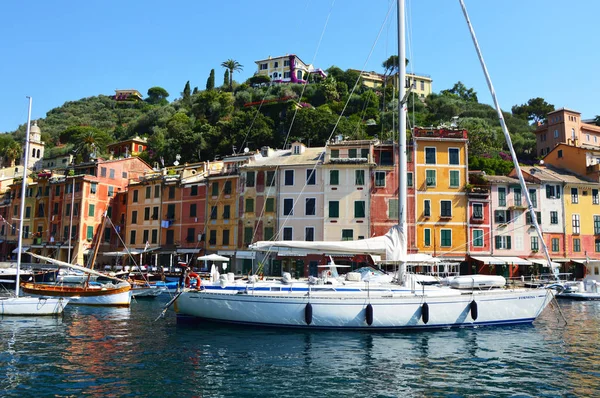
{"type": "Point", "coordinates": [125, 353]}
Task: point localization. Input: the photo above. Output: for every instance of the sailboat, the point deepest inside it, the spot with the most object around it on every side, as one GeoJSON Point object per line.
{"type": "Point", "coordinates": [405, 304]}
{"type": "Point", "coordinates": [117, 292]}
{"type": "Point", "coordinates": [26, 305]}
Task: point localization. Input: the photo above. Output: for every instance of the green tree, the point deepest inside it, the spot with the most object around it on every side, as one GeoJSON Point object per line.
{"type": "Point", "coordinates": [597, 120]}
{"type": "Point", "coordinates": [461, 91]}
{"type": "Point", "coordinates": [257, 80]}
{"type": "Point", "coordinates": [210, 82]}
{"type": "Point", "coordinates": [90, 142]}
{"type": "Point", "coordinates": [157, 96]}
{"type": "Point", "coordinates": [186, 94]}
{"type": "Point", "coordinates": [226, 78]}
{"type": "Point", "coordinates": [232, 66]}
{"type": "Point", "coordinates": [535, 110]}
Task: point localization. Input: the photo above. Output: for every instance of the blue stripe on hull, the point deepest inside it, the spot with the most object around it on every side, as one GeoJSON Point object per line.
{"type": "Point", "coordinates": [188, 319]}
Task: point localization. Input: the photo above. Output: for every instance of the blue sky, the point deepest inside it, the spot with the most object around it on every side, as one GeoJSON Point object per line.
{"type": "Point", "coordinates": [63, 50]}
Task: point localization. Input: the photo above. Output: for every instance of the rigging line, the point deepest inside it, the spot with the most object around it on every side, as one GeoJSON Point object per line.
{"type": "Point", "coordinates": [361, 71]}
{"type": "Point", "coordinates": [255, 116]}
{"type": "Point", "coordinates": [307, 78]}
{"type": "Point", "coordinates": [507, 136]}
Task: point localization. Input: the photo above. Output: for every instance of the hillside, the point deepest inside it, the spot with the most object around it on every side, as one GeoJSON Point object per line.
{"type": "Point", "coordinates": [216, 122]}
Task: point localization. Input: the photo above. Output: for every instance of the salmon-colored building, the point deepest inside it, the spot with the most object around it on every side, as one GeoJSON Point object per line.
{"type": "Point", "coordinates": [564, 126]}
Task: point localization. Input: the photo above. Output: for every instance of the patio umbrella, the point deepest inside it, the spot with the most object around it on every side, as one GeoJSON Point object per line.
{"type": "Point", "coordinates": [213, 257]}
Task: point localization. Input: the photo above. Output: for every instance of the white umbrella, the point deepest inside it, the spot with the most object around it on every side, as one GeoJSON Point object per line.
{"type": "Point", "coordinates": [213, 257]}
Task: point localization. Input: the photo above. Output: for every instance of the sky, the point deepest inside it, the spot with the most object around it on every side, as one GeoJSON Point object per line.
{"type": "Point", "coordinates": [64, 50]}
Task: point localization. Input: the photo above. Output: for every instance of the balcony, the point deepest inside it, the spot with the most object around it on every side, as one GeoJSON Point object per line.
{"type": "Point", "coordinates": [477, 220]}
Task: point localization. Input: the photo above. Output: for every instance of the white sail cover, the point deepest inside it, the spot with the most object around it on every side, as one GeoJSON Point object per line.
{"type": "Point", "coordinates": [392, 244]}
{"type": "Point", "coordinates": [74, 266]}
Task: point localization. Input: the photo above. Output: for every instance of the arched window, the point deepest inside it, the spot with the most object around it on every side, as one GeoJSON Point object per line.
{"type": "Point", "coordinates": [38, 153]}
{"type": "Point", "coordinates": [33, 152]}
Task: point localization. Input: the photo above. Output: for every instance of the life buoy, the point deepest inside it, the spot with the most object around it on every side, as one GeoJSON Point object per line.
{"type": "Point", "coordinates": [189, 277]}
{"type": "Point", "coordinates": [329, 274]}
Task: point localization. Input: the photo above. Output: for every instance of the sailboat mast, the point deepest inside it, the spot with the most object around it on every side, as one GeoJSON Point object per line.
{"type": "Point", "coordinates": [402, 167]}
{"type": "Point", "coordinates": [22, 209]}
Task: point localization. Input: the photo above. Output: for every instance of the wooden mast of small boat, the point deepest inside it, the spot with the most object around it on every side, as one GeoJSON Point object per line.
{"type": "Point", "coordinates": [524, 188]}
{"type": "Point", "coordinates": [22, 209]}
{"type": "Point", "coordinates": [402, 167]}
{"type": "Point", "coordinates": [96, 245]}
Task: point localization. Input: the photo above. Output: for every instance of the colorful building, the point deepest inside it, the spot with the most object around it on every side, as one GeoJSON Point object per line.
{"type": "Point", "coordinates": [131, 147]}
{"type": "Point", "coordinates": [564, 126]}
{"type": "Point", "coordinates": [287, 69]}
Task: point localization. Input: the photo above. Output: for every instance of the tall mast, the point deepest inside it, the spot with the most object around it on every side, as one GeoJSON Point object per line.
{"type": "Point", "coordinates": [22, 209]}
{"type": "Point", "coordinates": [402, 168]}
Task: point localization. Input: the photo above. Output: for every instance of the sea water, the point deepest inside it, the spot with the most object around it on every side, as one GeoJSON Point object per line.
{"type": "Point", "coordinates": [125, 352]}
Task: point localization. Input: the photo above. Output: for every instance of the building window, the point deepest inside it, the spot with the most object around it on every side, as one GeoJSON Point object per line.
{"type": "Point", "coordinates": [409, 179]}
{"type": "Point", "coordinates": [535, 246]}
{"type": "Point", "coordinates": [28, 212]}
{"type": "Point", "coordinates": [533, 197]}
{"type": "Point", "coordinates": [427, 208]}
{"type": "Point", "coordinates": [595, 199]}
{"type": "Point", "coordinates": [171, 192]}
{"type": "Point", "coordinates": [430, 178]}
{"type": "Point", "coordinates": [393, 209]}
{"type": "Point", "coordinates": [576, 244]}
{"type": "Point", "coordinates": [478, 211]}
{"type": "Point", "coordinates": [148, 192]}
{"type": "Point", "coordinates": [334, 154]}
{"type": "Point", "coordinates": [538, 216]}
{"type": "Point", "coordinates": [227, 189]}
{"type": "Point", "coordinates": [310, 206]}
{"type": "Point", "coordinates": [91, 210]}
{"type": "Point", "coordinates": [171, 211]}
{"type": "Point", "coordinates": [380, 178]}
{"type": "Point", "coordinates": [269, 232]}
{"type": "Point", "coordinates": [309, 234]}
{"type": "Point", "coordinates": [453, 156]}
{"type": "Point", "coordinates": [90, 232]}
{"type": "Point", "coordinates": [271, 178]}
{"type": "Point", "coordinates": [226, 212]}
{"type": "Point", "coordinates": [501, 196]}
{"type": "Point", "coordinates": [289, 177]}
{"type": "Point", "coordinates": [502, 216]}
{"type": "Point", "coordinates": [213, 212]}
{"type": "Point", "coordinates": [352, 153]}
{"type": "Point", "coordinates": [194, 191]}
{"type": "Point", "coordinates": [270, 205]}
{"type": "Point", "coordinates": [446, 238]}
{"type": "Point", "coordinates": [132, 238]}
{"type": "Point", "coordinates": [503, 242]}
{"type": "Point", "coordinates": [134, 217]}
{"type": "Point", "coordinates": [107, 232]}
{"type": "Point", "coordinates": [225, 238]}
{"type": "Point", "coordinates": [553, 217]}
{"type": "Point", "coordinates": [517, 198]}
{"type": "Point", "coordinates": [334, 209]}
{"type": "Point", "coordinates": [454, 178]}
{"type": "Point", "coordinates": [334, 177]}
{"type": "Point", "coordinates": [102, 171]}
{"type": "Point", "coordinates": [154, 238]}
{"type": "Point", "coordinates": [359, 177]}
{"type": "Point", "coordinates": [347, 234]}
{"type": "Point", "coordinates": [430, 156]}
{"type": "Point", "coordinates": [596, 225]}
{"type": "Point", "coordinates": [146, 236]}
{"type": "Point", "coordinates": [212, 237]}
{"type": "Point", "coordinates": [288, 207]}
{"type": "Point", "coordinates": [215, 189]}
{"type": "Point", "coordinates": [250, 179]}
{"type": "Point", "coordinates": [478, 237]}
{"type": "Point", "coordinates": [193, 210]}
{"type": "Point", "coordinates": [427, 237]}
{"type": "Point", "coordinates": [247, 235]}
{"type": "Point", "coordinates": [446, 208]}
{"type": "Point", "coordinates": [311, 177]}
{"type": "Point", "coordinates": [574, 196]}
{"type": "Point", "coordinates": [560, 153]}
{"type": "Point", "coordinates": [111, 191]}
{"type": "Point", "coordinates": [249, 205]}
{"type": "Point", "coordinates": [555, 133]}
{"type": "Point", "coordinates": [555, 244]}
{"type": "Point", "coordinates": [154, 213]}
{"type": "Point", "coordinates": [359, 209]}
{"type": "Point", "coordinates": [288, 233]}
{"type": "Point", "coordinates": [157, 191]}
{"type": "Point", "coordinates": [147, 213]}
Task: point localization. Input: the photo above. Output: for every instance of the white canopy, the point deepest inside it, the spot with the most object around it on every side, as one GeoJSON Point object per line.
{"type": "Point", "coordinates": [392, 244]}
{"type": "Point", "coordinates": [213, 257]}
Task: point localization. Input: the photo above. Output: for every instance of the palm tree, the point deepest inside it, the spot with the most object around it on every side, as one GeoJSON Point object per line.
{"type": "Point", "coordinates": [233, 66]}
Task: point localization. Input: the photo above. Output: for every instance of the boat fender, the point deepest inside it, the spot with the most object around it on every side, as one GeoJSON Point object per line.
{"type": "Point", "coordinates": [473, 306]}
{"type": "Point", "coordinates": [308, 313]}
{"type": "Point", "coordinates": [425, 313]}
{"type": "Point", "coordinates": [369, 314]}
{"type": "Point", "coordinates": [189, 277]}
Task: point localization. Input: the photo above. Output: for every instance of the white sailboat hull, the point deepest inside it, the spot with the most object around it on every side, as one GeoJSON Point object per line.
{"type": "Point", "coordinates": [118, 296]}
{"type": "Point", "coordinates": [26, 306]}
{"type": "Point", "coordinates": [389, 311]}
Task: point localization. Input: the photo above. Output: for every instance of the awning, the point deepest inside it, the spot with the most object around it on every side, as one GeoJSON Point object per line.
{"type": "Point", "coordinates": [185, 251]}
{"type": "Point", "coordinates": [23, 249]}
{"type": "Point", "coordinates": [488, 260]}
{"type": "Point", "coordinates": [291, 254]}
{"type": "Point", "coordinates": [245, 254]}
{"type": "Point", "coordinates": [514, 260]}
{"type": "Point", "coordinates": [579, 261]}
{"type": "Point", "coordinates": [541, 261]}
{"type": "Point", "coordinates": [561, 260]}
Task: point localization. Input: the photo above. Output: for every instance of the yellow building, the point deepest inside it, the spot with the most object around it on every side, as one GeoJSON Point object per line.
{"type": "Point", "coordinates": [287, 69]}
{"type": "Point", "coordinates": [440, 176]}
{"type": "Point", "coordinates": [421, 84]}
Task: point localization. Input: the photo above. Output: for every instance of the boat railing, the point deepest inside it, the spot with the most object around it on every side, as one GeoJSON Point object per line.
{"type": "Point", "coordinates": [537, 280]}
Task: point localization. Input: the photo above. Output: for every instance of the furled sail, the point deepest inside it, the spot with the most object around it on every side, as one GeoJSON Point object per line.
{"type": "Point", "coordinates": [74, 266]}
{"type": "Point", "coordinates": [392, 244]}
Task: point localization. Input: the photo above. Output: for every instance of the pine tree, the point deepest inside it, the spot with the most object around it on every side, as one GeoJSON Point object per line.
{"type": "Point", "coordinates": [210, 82]}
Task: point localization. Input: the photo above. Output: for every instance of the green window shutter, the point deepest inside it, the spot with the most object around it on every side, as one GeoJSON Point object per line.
{"type": "Point", "coordinates": [91, 210]}
{"type": "Point", "coordinates": [454, 178]}
{"type": "Point", "coordinates": [90, 232]}
{"type": "Point", "coordinates": [334, 209]}
{"type": "Point", "coordinates": [359, 209]}
{"type": "Point", "coordinates": [270, 205]}
{"type": "Point", "coordinates": [215, 189]}
{"type": "Point", "coordinates": [334, 177]}
{"type": "Point", "coordinates": [427, 236]}
{"type": "Point", "coordinates": [359, 177]}
{"type": "Point", "coordinates": [393, 209]}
